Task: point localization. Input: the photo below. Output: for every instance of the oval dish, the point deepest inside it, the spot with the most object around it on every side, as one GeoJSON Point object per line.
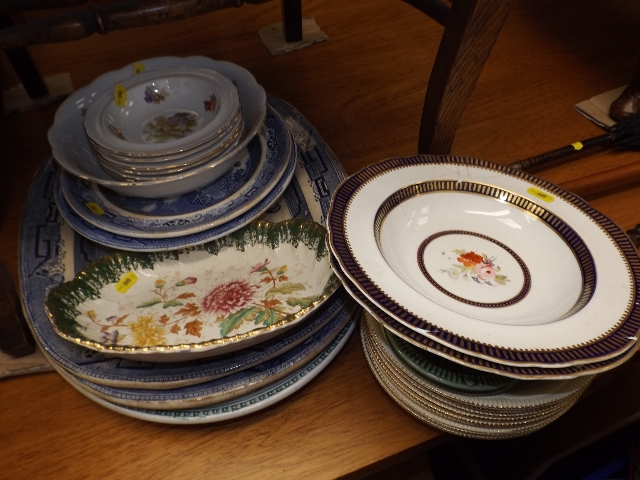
{"type": "Point", "coordinates": [226, 294]}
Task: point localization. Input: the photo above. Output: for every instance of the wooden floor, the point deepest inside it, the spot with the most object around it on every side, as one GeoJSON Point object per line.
{"type": "Point", "coordinates": [364, 87]}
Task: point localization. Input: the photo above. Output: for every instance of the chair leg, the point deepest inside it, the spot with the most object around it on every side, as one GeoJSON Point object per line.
{"type": "Point", "coordinates": [628, 103]}
{"type": "Point", "coordinates": [292, 20]}
{"type": "Point", "coordinates": [471, 31]}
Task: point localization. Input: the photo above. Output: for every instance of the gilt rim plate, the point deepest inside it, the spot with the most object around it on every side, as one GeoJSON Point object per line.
{"type": "Point", "coordinates": [524, 370]}
{"type": "Point", "coordinates": [604, 327]}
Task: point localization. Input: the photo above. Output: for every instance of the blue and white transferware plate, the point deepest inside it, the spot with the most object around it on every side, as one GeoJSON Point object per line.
{"type": "Point", "coordinates": [122, 242]}
{"type": "Point", "coordinates": [225, 388]}
{"type": "Point", "coordinates": [111, 371]}
{"type": "Point", "coordinates": [489, 261]}
{"type": "Point", "coordinates": [237, 407]}
{"type": "Point", "coordinates": [268, 156]}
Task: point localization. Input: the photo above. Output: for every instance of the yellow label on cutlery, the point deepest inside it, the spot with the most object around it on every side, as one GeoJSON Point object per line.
{"type": "Point", "coordinates": [120, 95]}
{"type": "Point", "coordinates": [95, 208]}
{"type": "Point", "coordinates": [541, 195]}
{"type": "Point", "coordinates": [126, 282]}
{"type": "Point", "coordinates": [138, 68]}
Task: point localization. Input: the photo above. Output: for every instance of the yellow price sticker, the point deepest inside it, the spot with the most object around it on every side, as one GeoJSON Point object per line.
{"type": "Point", "coordinates": [541, 195]}
{"type": "Point", "coordinates": [138, 68]}
{"type": "Point", "coordinates": [95, 208]}
{"type": "Point", "coordinates": [126, 282]}
{"type": "Point", "coordinates": [120, 95]}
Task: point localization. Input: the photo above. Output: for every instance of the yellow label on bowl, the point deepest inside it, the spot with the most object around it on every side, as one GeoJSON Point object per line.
{"type": "Point", "coordinates": [95, 208]}
{"type": "Point", "coordinates": [138, 68]}
{"type": "Point", "coordinates": [126, 282]}
{"type": "Point", "coordinates": [120, 95]}
{"type": "Point", "coordinates": [541, 195]}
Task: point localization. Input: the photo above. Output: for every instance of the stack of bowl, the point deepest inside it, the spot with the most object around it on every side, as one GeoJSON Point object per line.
{"type": "Point", "coordinates": [485, 267]}
{"type": "Point", "coordinates": [167, 122]}
{"type": "Point", "coordinates": [182, 154]}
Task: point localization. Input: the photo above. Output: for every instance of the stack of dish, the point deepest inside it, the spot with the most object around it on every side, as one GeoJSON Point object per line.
{"type": "Point", "coordinates": [218, 330]}
{"type": "Point", "coordinates": [486, 267]}
{"type": "Point", "coordinates": [131, 190]}
{"type": "Point", "coordinates": [168, 122]}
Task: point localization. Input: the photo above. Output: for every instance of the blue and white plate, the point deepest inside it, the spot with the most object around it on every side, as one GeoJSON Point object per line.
{"type": "Point", "coordinates": [238, 407]}
{"type": "Point", "coordinates": [123, 242]}
{"type": "Point", "coordinates": [225, 388]}
{"type": "Point", "coordinates": [111, 371]}
{"type": "Point", "coordinates": [251, 179]}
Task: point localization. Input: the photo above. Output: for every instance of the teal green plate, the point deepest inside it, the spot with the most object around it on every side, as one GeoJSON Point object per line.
{"type": "Point", "coordinates": [446, 373]}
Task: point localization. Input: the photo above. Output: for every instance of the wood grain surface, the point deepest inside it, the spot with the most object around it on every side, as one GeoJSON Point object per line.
{"type": "Point", "coordinates": [363, 90]}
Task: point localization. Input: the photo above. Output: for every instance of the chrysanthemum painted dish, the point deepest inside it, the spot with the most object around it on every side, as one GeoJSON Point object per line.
{"type": "Point", "coordinates": [206, 300]}
{"type": "Point", "coordinates": [268, 156]}
{"type": "Point", "coordinates": [72, 150]}
{"type": "Point", "coordinates": [523, 370]}
{"type": "Point", "coordinates": [460, 250]}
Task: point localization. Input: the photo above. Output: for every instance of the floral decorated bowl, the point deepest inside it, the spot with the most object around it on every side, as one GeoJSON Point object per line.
{"type": "Point", "coordinates": [487, 260]}
{"type": "Point", "coordinates": [215, 298]}
{"type": "Point", "coordinates": [72, 150]}
{"type": "Point", "coordinates": [165, 111]}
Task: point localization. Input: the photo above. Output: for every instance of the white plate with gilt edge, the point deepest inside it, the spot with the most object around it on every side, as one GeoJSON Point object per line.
{"type": "Point", "coordinates": [268, 156]}
{"type": "Point", "coordinates": [523, 371]}
{"type": "Point", "coordinates": [224, 295]}
{"type": "Point", "coordinates": [492, 208]}
{"type": "Point", "coordinates": [223, 389]}
{"type": "Point", "coordinates": [238, 407]}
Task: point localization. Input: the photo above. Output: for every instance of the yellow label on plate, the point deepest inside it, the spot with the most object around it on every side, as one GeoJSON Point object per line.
{"type": "Point", "coordinates": [120, 95]}
{"type": "Point", "coordinates": [95, 208]}
{"type": "Point", "coordinates": [541, 195]}
{"type": "Point", "coordinates": [126, 282]}
{"type": "Point", "coordinates": [138, 68]}
{"type": "Point", "coordinates": [577, 145]}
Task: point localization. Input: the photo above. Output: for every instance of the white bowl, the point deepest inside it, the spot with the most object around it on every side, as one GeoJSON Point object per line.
{"type": "Point", "coordinates": [73, 152]}
{"type": "Point", "coordinates": [408, 230]}
{"type": "Point", "coordinates": [165, 111]}
{"type": "Point", "coordinates": [152, 168]}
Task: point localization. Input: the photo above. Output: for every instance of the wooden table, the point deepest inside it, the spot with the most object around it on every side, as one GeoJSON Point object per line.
{"type": "Point", "coordinates": [363, 91]}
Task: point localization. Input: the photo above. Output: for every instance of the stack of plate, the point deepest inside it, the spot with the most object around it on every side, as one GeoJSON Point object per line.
{"type": "Point", "coordinates": [169, 121]}
{"type": "Point", "coordinates": [219, 330]}
{"type": "Point", "coordinates": [205, 191]}
{"type": "Point", "coordinates": [486, 267]}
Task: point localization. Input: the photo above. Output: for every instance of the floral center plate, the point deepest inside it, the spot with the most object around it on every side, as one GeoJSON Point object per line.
{"type": "Point", "coordinates": [244, 287]}
{"type": "Point", "coordinates": [608, 316]}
